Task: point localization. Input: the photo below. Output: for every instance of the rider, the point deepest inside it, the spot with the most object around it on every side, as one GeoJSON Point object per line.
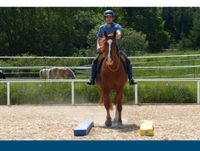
{"type": "Point", "coordinates": [110, 27]}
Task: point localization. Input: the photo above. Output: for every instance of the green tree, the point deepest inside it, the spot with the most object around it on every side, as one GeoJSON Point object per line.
{"type": "Point", "coordinates": [178, 22]}
{"type": "Point", "coordinates": [68, 31]}
{"type": "Point", "coordinates": [194, 35]}
{"type": "Point", "coordinates": [92, 37]}
{"type": "Point", "coordinates": [150, 22]}
{"type": "Point", "coordinates": [40, 31]}
{"type": "Point", "coordinates": [85, 20]}
{"type": "Point", "coordinates": [133, 41]}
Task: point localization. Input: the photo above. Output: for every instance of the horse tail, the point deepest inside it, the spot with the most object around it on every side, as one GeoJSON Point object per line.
{"type": "Point", "coordinates": [101, 96]}
{"type": "Point", "coordinates": [101, 101]}
{"type": "Point", "coordinates": [110, 103]}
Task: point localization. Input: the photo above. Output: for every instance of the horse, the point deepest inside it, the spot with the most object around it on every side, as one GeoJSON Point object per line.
{"type": "Point", "coordinates": [57, 73]}
{"type": "Point", "coordinates": [61, 72]}
{"type": "Point", "coordinates": [2, 75]}
{"type": "Point", "coordinates": [111, 77]}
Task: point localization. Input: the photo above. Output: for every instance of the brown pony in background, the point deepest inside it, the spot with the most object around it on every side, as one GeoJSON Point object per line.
{"type": "Point", "coordinates": [112, 77]}
{"type": "Point", "coordinates": [57, 73]}
{"type": "Point", "coordinates": [61, 73]}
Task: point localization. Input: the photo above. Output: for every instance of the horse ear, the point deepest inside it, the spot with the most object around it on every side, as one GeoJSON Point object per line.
{"type": "Point", "coordinates": [105, 34]}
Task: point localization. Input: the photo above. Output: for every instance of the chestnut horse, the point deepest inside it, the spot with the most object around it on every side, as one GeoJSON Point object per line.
{"type": "Point", "coordinates": [112, 77]}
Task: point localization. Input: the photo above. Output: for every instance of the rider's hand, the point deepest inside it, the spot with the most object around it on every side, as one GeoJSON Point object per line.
{"type": "Point", "coordinates": [98, 49]}
{"type": "Point", "coordinates": [118, 37]}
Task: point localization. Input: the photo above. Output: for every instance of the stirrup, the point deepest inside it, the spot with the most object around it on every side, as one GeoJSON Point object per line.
{"type": "Point", "coordinates": [91, 82]}
{"type": "Point", "coordinates": [132, 82]}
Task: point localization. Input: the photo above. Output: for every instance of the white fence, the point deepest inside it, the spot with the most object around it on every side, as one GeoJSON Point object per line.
{"type": "Point", "coordinates": [88, 67]}
{"type": "Point", "coordinates": [73, 81]}
{"type": "Point", "coordinates": [8, 81]}
{"type": "Point", "coordinates": [85, 68]}
{"type": "Point", "coordinates": [131, 57]}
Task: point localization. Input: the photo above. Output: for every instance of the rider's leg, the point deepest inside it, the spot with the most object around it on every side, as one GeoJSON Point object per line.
{"type": "Point", "coordinates": [4, 76]}
{"type": "Point", "coordinates": [94, 70]}
{"type": "Point", "coordinates": [129, 68]}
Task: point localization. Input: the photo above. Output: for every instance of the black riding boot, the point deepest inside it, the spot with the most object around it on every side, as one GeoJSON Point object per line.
{"type": "Point", "coordinates": [4, 77]}
{"type": "Point", "coordinates": [129, 68]}
{"type": "Point", "coordinates": [94, 70]}
{"type": "Point", "coordinates": [130, 74]}
{"type": "Point", "coordinates": [94, 74]}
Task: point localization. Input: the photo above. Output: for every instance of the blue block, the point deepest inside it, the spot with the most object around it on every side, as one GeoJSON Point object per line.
{"type": "Point", "coordinates": [83, 128]}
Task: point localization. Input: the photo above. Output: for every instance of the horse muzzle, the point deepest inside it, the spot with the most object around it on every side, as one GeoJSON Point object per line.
{"type": "Point", "coordinates": [109, 61]}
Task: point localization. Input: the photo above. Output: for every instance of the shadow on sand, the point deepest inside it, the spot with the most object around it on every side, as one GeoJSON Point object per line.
{"type": "Point", "coordinates": [123, 128]}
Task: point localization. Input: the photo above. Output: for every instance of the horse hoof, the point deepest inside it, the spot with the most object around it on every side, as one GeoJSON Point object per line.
{"type": "Point", "coordinates": [120, 124]}
{"type": "Point", "coordinates": [108, 123]}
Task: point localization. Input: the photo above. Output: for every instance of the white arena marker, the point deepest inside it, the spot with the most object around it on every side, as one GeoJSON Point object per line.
{"type": "Point", "coordinates": [146, 128]}
{"type": "Point", "coordinates": [83, 128]}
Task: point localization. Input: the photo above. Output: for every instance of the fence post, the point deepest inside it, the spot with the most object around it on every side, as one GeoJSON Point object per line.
{"type": "Point", "coordinates": [136, 94]}
{"type": "Point", "coordinates": [198, 93]}
{"type": "Point", "coordinates": [72, 92]}
{"type": "Point", "coordinates": [8, 93]}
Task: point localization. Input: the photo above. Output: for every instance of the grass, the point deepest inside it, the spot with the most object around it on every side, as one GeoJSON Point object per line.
{"type": "Point", "coordinates": [165, 92]}
{"type": "Point", "coordinates": [180, 52]}
{"type": "Point", "coordinates": [36, 93]}
{"type": "Point", "coordinates": [60, 93]}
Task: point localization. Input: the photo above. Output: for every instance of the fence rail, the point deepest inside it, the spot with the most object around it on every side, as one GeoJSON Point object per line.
{"type": "Point", "coordinates": [57, 57]}
{"type": "Point", "coordinates": [87, 68]}
{"type": "Point", "coordinates": [73, 81]}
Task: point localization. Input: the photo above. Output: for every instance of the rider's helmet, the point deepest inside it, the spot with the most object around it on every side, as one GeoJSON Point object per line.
{"type": "Point", "coordinates": [109, 13]}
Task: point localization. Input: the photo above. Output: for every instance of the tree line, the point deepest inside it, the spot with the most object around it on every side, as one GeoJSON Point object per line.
{"type": "Point", "coordinates": [72, 31]}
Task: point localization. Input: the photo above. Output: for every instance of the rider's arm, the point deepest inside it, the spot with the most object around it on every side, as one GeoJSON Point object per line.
{"type": "Point", "coordinates": [98, 45]}
{"type": "Point", "coordinates": [118, 34]}
{"type": "Point", "coordinates": [99, 36]}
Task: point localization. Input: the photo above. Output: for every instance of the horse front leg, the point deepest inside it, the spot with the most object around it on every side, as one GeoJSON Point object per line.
{"type": "Point", "coordinates": [107, 105]}
{"type": "Point", "coordinates": [118, 111]}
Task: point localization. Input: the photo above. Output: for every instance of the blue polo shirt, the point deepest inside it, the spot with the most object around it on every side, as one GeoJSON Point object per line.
{"type": "Point", "coordinates": [104, 28]}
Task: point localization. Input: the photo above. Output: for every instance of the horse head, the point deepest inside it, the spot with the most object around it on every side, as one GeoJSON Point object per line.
{"type": "Point", "coordinates": [108, 47]}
